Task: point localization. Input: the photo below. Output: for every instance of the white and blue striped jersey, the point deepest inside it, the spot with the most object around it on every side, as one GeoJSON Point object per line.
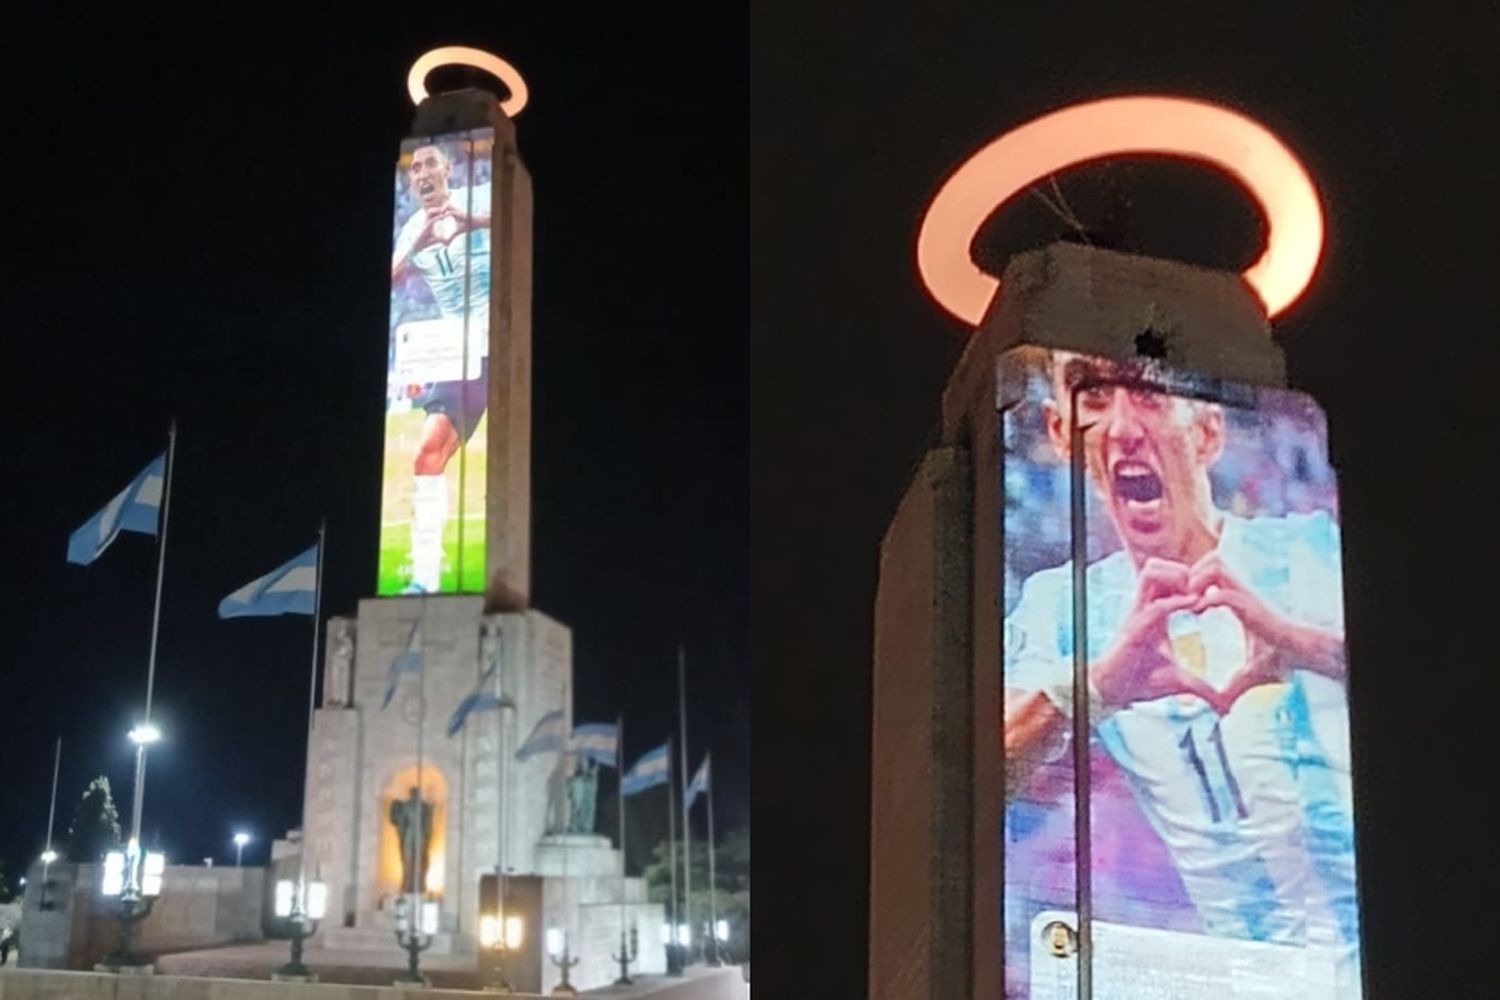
{"type": "Point", "coordinates": [458, 270]}
{"type": "Point", "coordinates": [1255, 808]}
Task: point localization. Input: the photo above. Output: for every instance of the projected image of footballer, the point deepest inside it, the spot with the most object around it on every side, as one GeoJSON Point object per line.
{"type": "Point", "coordinates": [446, 241]}
{"type": "Point", "coordinates": [1216, 668]}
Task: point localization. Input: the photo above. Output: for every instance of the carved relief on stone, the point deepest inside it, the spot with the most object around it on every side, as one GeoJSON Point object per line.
{"type": "Point", "coordinates": [491, 639]}
{"type": "Point", "coordinates": [340, 661]}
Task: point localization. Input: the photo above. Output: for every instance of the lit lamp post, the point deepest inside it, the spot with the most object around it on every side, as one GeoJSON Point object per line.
{"type": "Point", "coordinates": [502, 935]}
{"type": "Point", "coordinates": [557, 949]}
{"type": "Point", "coordinates": [630, 947]}
{"type": "Point", "coordinates": [240, 840]}
{"type": "Point", "coordinates": [416, 923]}
{"type": "Point", "coordinates": [48, 856]}
{"type": "Point", "coordinates": [131, 876]}
{"type": "Point", "coordinates": [301, 904]}
{"type": "Point", "coordinates": [134, 879]}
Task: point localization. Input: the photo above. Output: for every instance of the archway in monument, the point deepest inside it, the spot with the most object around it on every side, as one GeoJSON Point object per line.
{"type": "Point", "coordinates": [434, 790]}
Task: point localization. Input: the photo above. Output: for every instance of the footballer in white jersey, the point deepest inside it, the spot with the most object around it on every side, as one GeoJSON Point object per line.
{"type": "Point", "coordinates": [1215, 658]}
{"type": "Point", "coordinates": [447, 241]}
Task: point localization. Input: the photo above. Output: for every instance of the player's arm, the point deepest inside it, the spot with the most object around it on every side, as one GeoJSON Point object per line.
{"type": "Point", "coordinates": [414, 235]}
{"type": "Point", "coordinates": [1137, 666]}
{"type": "Point", "coordinates": [1035, 732]}
{"type": "Point", "coordinates": [406, 245]}
{"type": "Point", "coordinates": [1286, 644]}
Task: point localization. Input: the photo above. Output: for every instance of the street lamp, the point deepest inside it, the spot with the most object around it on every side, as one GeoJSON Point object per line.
{"type": "Point", "coordinates": [630, 948]}
{"type": "Point", "coordinates": [302, 904]}
{"type": "Point", "coordinates": [48, 857]}
{"type": "Point", "coordinates": [557, 950]}
{"type": "Point", "coordinates": [416, 923]}
{"type": "Point", "coordinates": [501, 934]}
{"type": "Point", "coordinates": [144, 734]}
{"type": "Point", "coordinates": [135, 880]}
{"type": "Point", "coordinates": [240, 840]}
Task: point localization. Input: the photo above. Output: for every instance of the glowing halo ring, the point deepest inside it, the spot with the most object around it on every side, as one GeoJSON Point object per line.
{"type": "Point", "coordinates": [459, 55]}
{"type": "Point", "coordinates": [1196, 130]}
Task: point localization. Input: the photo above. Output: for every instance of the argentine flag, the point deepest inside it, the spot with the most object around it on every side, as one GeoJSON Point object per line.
{"type": "Point", "coordinates": [289, 589]}
{"type": "Point", "coordinates": [549, 736]}
{"type": "Point", "coordinates": [481, 699]}
{"type": "Point", "coordinates": [699, 784]}
{"type": "Point", "coordinates": [408, 661]}
{"type": "Point", "coordinates": [134, 509]}
{"type": "Point", "coordinates": [598, 741]}
{"type": "Point", "coordinates": [654, 768]}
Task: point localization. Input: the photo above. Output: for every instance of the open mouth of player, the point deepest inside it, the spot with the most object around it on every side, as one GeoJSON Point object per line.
{"type": "Point", "coordinates": [425, 188]}
{"type": "Point", "coordinates": [1137, 487]}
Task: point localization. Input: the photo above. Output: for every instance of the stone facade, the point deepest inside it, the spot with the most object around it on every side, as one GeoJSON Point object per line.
{"type": "Point", "coordinates": [366, 754]}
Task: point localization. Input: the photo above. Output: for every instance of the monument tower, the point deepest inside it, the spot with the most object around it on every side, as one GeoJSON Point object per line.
{"type": "Point", "coordinates": [414, 782]}
{"type": "Point", "coordinates": [1110, 744]}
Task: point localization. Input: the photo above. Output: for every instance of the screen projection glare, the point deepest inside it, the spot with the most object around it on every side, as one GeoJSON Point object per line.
{"type": "Point", "coordinates": [432, 507]}
{"type": "Point", "coordinates": [1219, 857]}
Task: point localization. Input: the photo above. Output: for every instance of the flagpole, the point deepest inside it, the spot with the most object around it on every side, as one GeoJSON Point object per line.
{"type": "Point", "coordinates": [672, 851]}
{"type": "Point", "coordinates": [501, 780]}
{"type": "Point", "coordinates": [419, 881]}
{"type": "Point", "coordinates": [312, 681]}
{"type": "Point", "coordinates": [713, 881]}
{"type": "Point", "coordinates": [687, 833]}
{"type": "Point", "coordinates": [138, 796]}
{"type": "Point", "coordinates": [620, 773]}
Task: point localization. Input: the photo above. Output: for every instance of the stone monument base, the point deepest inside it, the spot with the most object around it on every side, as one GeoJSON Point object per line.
{"type": "Point", "coordinates": [126, 970]}
{"type": "Point", "coordinates": [576, 855]}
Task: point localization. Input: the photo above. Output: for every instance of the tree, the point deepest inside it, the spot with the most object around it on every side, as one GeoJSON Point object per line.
{"type": "Point", "coordinates": [731, 892]}
{"type": "Point", "coordinates": [95, 829]}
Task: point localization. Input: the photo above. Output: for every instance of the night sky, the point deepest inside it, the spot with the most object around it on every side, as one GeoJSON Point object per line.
{"type": "Point", "coordinates": [856, 119]}
{"type": "Point", "coordinates": [198, 227]}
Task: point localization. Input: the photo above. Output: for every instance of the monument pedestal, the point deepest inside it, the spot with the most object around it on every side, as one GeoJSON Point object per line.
{"type": "Point", "coordinates": [576, 855]}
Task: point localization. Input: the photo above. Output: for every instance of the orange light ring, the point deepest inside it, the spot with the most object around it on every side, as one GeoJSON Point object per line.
{"type": "Point", "coordinates": [459, 55]}
{"type": "Point", "coordinates": [1173, 126]}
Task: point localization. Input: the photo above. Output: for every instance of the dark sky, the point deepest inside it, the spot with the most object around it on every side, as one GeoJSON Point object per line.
{"type": "Point", "coordinates": [857, 117]}
{"type": "Point", "coordinates": [198, 226]}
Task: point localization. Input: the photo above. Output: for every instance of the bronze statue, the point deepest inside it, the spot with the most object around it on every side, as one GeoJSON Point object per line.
{"type": "Point", "coordinates": [583, 790]}
{"type": "Point", "coordinates": [412, 818]}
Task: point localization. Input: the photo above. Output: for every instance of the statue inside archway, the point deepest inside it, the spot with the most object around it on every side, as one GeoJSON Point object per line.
{"type": "Point", "coordinates": [412, 817]}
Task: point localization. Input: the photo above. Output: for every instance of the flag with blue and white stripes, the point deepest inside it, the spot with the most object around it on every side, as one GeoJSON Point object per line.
{"type": "Point", "coordinates": [699, 784]}
{"type": "Point", "coordinates": [482, 699]}
{"type": "Point", "coordinates": [549, 736]}
{"type": "Point", "coordinates": [597, 741]}
{"type": "Point", "coordinates": [654, 768]}
{"type": "Point", "coordinates": [408, 661]}
{"type": "Point", "coordinates": [289, 589]}
{"type": "Point", "coordinates": [135, 508]}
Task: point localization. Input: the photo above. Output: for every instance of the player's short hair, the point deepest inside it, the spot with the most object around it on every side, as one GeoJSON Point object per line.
{"type": "Point", "coordinates": [440, 147]}
{"type": "Point", "coordinates": [1068, 371]}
